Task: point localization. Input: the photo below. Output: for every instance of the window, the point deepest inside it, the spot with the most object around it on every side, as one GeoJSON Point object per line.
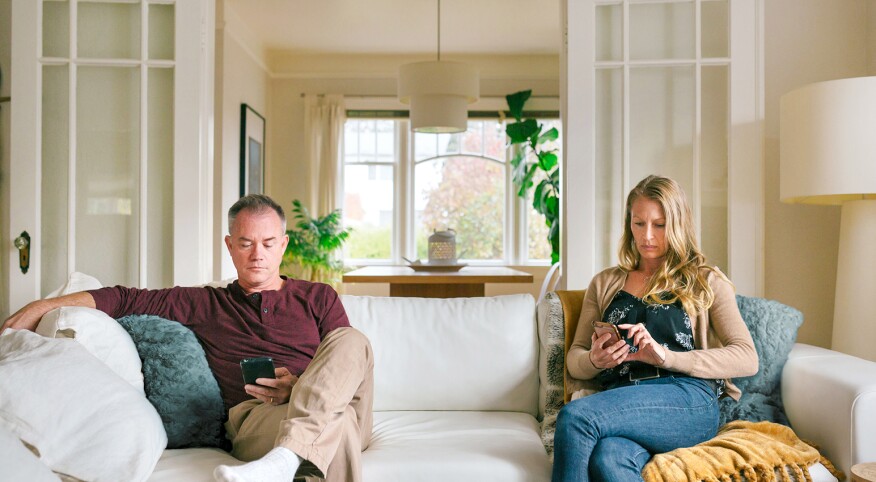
{"type": "Point", "coordinates": [400, 187]}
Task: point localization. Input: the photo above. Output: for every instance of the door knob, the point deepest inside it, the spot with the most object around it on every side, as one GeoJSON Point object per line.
{"type": "Point", "coordinates": [23, 244]}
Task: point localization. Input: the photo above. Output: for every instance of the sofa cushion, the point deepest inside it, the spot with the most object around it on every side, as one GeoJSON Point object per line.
{"type": "Point", "coordinates": [190, 465]}
{"type": "Point", "coordinates": [441, 446]}
{"type": "Point", "coordinates": [178, 381]}
{"type": "Point", "coordinates": [451, 354]}
{"type": "Point", "coordinates": [773, 328]}
{"type": "Point", "coordinates": [82, 419]}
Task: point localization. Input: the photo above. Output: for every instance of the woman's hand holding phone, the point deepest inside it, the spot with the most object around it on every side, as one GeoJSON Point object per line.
{"type": "Point", "coordinates": [607, 349]}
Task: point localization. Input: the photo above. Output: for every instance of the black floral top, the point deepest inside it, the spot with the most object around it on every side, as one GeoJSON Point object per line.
{"type": "Point", "coordinates": [669, 325]}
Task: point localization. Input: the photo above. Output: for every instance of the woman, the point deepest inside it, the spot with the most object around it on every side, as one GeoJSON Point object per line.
{"type": "Point", "coordinates": [684, 339]}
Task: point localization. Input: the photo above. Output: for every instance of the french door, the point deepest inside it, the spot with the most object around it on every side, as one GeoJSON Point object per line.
{"type": "Point", "coordinates": [110, 173]}
{"type": "Point", "coordinates": [670, 87]}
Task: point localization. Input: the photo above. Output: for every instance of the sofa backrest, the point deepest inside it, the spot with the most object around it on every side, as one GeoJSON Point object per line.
{"type": "Point", "coordinates": [451, 354]}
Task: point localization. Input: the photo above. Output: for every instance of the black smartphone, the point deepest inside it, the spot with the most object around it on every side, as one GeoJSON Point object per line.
{"type": "Point", "coordinates": [253, 368]}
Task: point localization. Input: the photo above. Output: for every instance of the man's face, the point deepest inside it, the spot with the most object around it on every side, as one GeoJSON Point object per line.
{"type": "Point", "coordinates": [256, 244]}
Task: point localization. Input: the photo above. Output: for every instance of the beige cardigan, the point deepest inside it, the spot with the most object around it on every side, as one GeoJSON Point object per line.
{"type": "Point", "coordinates": [724, 345]}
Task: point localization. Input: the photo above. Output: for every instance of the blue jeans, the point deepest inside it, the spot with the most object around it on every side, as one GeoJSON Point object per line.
{"type": "Point", "coordinates": [610, 435]}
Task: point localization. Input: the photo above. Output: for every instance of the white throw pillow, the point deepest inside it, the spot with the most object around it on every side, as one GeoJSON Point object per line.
{"type": "Point", "coordinates": [19, 463]}
{"type": "Point", "coordinates": [79, 416]}
{"type": "Point", "coordinates": [76, 282]}
{"type": "Point", "coordinates": [101, 335]}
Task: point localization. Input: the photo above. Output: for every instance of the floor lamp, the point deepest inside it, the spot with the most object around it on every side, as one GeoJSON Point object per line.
{"type": "Point", "coordinates": [828, 156]}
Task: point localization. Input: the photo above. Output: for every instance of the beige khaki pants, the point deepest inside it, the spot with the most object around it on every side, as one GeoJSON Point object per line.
{"type": "Point", "coordinates": [328, 418]}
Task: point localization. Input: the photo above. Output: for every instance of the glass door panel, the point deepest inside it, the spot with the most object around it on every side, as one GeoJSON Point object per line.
{"type": "Point", "coordinates": [609, 32]}
{"type": "Point", "coordinates": [161, 33]}
{"type": "Point", "coordinates": [609, 163]}
{"type": "Point", "coordinates": [56, 29]}
{"type": "Point", "coordinates": [662, 116]}
{"type": "Point", "coordinates": [713, 164]}
{"type": "Point", "coordinates": [715, 29]}
{"type": "Point", "coordinates": [159, 192]}
{"type": "Point", "coordinates": [54, 207]}
{"type": "Point", "coordinates": [108, 30]}
{"type": "Point", "coordinates": [662, 31]}
{"type": "Point", "coordinates": [107, 174]}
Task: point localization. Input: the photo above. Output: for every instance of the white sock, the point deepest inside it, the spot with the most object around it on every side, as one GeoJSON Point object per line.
{"type": "Point", "coordinates": [278, 465]}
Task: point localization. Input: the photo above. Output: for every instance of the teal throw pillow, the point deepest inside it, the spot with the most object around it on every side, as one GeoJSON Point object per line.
{"type": "Point", "coordinates": [773, 328]}
{"type": "Point", "coordinates": [178, 382]}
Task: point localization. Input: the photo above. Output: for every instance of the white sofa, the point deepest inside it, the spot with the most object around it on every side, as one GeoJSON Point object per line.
{"type": "Point", "coordinates": [456, 393]}
{"type": "Point", "coordinates": [461, 386]}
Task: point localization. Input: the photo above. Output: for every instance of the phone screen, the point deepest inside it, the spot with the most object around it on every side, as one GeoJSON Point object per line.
{"type": "Point", "coordinates": [254, 368]}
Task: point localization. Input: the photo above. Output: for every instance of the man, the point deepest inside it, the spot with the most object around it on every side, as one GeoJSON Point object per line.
{"type": "Point", "coordinates": [316, 413]}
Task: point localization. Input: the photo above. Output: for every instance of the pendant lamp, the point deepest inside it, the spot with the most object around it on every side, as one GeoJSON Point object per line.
{"type": "Point", "coordinates": [438, 92]}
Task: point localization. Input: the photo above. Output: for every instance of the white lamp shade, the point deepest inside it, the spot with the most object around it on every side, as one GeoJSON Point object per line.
{"type": "Point", "coordinates": [828, 142]}
{"type": "Point", "coordinates": [439, 93]}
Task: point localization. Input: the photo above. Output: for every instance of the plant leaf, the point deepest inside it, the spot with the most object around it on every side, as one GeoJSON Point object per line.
{"type": "Point", "coordinates": [516, 102]}
{"type": "Point", "coordinates": [550, 135]}
{"type": "Point", "coordinates": [547, 160]}
{"type": "Point", "coordinates": [520, 132]}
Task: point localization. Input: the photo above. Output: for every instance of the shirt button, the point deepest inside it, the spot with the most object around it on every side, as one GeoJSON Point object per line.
{"type": "Point", "coordinates": [265, 310]}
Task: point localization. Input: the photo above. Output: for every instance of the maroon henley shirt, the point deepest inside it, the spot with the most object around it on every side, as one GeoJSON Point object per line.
{"type": "Point", "coordinates": [286, 324]}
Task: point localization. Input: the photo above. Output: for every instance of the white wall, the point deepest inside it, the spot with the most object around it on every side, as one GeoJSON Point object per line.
{"type": "Point", "coordinates": [807, 41]}
{"type": "Point", "coordinates": [5, 63]}
{"type": "Point", "coordinates": [241, 78]}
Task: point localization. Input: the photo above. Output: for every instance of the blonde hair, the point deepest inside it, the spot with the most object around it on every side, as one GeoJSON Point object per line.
{"type": "Point", "coordinates": [683, 274]}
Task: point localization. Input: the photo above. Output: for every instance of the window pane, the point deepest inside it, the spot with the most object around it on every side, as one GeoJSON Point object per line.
{"type": "Point", "coordinates": [351, 140]}
{"type": "Point", "coordinates": [466, 194]}
{"type": "Point", "coordinates": [55, 176]}
{"type": "Point", "coordinates": [109, 30]}
{"type": "Point", "coordinates": [385, 137]}
{"type": "Point", "coordinates": [56, 30]}
{"type": "Point", "coordinates": [473, 139]}
{"type": "Point", "coordinates": [609, 32]}
{"type": "Point", "coordinates": [368, 209]}
{"type": "Point", "coordinates": [448, 144]}
{"type": "Point", "coordinates": [367, 140]}
{"type": "Point", "coordinates": [715, 29]}
{"type": "Point", "coordinates": [494, 140]}
{"type": "Point", "coordinates": [662, 124]}
{"type": "Point", "coordinates": [662, 31]}
{"type": "Point", "coordinates": [426, 146]}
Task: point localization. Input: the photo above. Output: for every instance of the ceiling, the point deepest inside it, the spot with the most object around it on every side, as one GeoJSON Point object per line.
{"type": "Point", "coordinates": [491, 27]}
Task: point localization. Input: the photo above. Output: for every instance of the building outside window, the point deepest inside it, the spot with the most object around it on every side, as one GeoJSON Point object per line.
{"type": "Point", "coordinates": [399, 187]}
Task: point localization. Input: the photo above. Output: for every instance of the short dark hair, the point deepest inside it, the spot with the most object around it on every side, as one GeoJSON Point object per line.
{"type": "Point", "coordinates": [256, 203]}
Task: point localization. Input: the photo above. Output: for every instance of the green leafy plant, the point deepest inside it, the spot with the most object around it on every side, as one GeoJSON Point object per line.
{"type": "Point", "coordinates": [313, 244]}
{"type": "Point", "coordinates": [528, 137]}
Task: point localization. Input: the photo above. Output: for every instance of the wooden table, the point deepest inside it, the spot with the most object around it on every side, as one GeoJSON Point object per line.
{"type": "Point", "coordinates": [864, 472]}
{"type": "Point", "coordinates": [467, 282]}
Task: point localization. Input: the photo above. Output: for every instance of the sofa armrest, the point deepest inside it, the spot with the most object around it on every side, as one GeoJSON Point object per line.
{"type": "Point", "coordinates": [830, 399]}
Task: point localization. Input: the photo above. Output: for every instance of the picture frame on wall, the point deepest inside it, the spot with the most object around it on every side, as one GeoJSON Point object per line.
{"type": "Point", "coordinates": [252, 151]}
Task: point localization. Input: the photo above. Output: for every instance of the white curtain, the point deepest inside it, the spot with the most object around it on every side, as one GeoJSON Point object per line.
{"type": "Point", "coordinates": [324, 118]}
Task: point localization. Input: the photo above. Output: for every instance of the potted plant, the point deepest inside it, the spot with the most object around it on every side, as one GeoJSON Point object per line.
{"type": "Point", "coordinates": [313, 243]}
{"type": "Point", "coordinates": [531, 156]}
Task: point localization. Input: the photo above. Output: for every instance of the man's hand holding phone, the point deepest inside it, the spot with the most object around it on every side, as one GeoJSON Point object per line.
{"type": "Point", "coordinates": [266, 383]}
{"type": "Point", "coordinates": [607, 349]}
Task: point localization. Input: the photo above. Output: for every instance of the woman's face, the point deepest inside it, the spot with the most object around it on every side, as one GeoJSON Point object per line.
{"type": "Point", "coordinates": [648, 224]}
